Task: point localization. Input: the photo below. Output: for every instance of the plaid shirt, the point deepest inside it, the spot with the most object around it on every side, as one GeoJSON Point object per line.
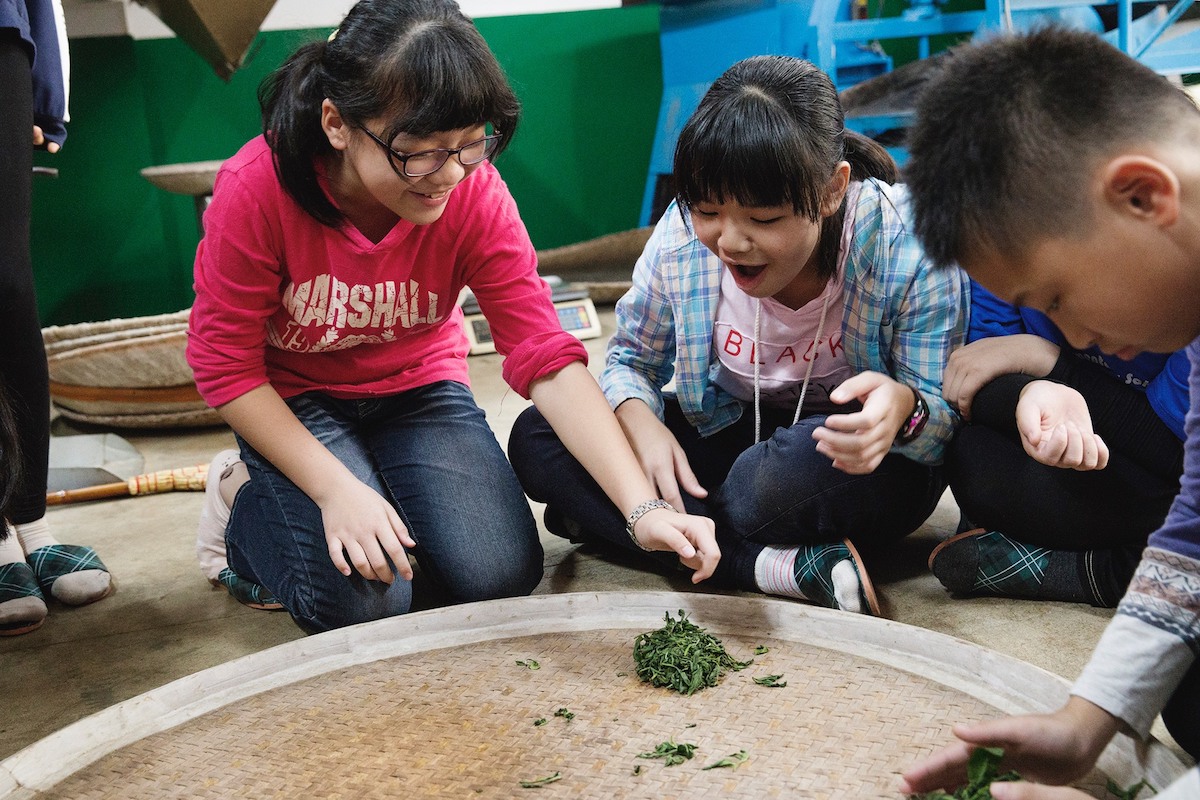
{"type": "Point", "coordinates": [902, 318]}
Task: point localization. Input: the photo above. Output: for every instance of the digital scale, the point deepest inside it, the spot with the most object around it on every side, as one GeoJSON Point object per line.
{"type": "Point", "coordinates": [576, 314]}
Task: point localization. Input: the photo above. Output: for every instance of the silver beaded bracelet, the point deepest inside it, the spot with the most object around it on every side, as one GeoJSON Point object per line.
{"type": "Point", "coordinates": [641, 511]}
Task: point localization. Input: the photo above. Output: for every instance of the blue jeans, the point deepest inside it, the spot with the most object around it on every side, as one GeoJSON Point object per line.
{"type": "Point", "coordinates": [780, 491]}
{"type": "Point", "coordinates": [431, 453]}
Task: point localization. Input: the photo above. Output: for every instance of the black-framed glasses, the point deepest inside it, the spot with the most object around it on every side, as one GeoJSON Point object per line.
{"type": "Point", "coordinates": [427, 162]}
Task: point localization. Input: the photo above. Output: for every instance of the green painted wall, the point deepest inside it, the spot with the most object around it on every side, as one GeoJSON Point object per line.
{"type": "Point", "coordinates": [108, 244]}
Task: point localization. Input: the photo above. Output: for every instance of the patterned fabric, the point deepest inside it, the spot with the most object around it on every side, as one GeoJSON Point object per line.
{"type": "Point", "coordinates": [55, 560]}
{"type": "Point", "coordinates": [1165, 593]}
{"type": "Point", "coordinates": [248, 593]}
{"type": "Point", "coordinates": [814, 565]}
{"type": "Point", "coordinates": [902, 318]}
{"type": "Point", "coordinates": [1003, 562]}
{"type": "Point", "coordinates": [16, 581]}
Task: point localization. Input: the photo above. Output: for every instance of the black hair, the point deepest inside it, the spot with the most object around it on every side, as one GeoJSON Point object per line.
{"type": "Point", "coordinates": [770, 131]}
{"type": "Point", "coordinates": [1011, 131]}
{"type": "Point", "coordinates": [421, 63]}
{"type": "Point", "coordinates": [11, 470]}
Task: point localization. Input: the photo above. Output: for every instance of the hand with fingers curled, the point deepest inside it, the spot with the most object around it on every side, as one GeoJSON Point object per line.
{"type": "Point", "coordinates": [977, 364]}
{"type": "Point", "coordinates": [691, 537]}
{"type": "Point", "coordinates": [1056, 427]}
{"type": "Point", "coordinates": [857, 442]}
{"type": "Point", "coordinates": [40, 140]}
{"type": "Point", "coordinates": [364, 530]}
{"type": "Point", "coordinates": [1054, 748]}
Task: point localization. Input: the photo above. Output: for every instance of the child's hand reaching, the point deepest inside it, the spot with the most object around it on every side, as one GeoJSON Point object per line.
{"type": "Point", "coordinates": [693, 538]}
{"type": "Point", "coordinates": [858, 442]}
{"type": "Point", "coordinates": [361, 526]}
{"type": "Point", "coordinates": [1057, 748]}
{"type": "Point", "coordinates": [1056, 427]}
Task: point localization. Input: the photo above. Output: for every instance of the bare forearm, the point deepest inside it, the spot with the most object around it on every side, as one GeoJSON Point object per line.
{"type": "Point", "coordinates": [262, 418]}
{"type": "Point", "coordinates": [572, 403]}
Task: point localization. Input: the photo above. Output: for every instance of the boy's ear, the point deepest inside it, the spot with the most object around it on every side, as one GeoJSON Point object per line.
{"type": "Point", "coordinates": [337, 130]}
{"type": "Point", "coordinates": [836, 189]}
{"type": "Point", "coordinates": [1144, 187]}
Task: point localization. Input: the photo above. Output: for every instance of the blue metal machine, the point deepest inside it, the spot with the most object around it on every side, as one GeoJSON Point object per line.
{"type": "Point", "coordinates": [702, 38]}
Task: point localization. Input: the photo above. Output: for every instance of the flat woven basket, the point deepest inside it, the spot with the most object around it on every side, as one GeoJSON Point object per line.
{"type": "Point", "coordinates": [126, 373]}
{"type": "Point", "coordinates": [445, 703]}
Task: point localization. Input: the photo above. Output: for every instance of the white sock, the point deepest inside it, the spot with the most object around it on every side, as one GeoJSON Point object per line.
{"type": "Point", "coordinates": [226, 474]}
{"type": "Point", "coordinates": [10, 549]}
{"type": "Point", "coordinates": [74, 588]}
{"type": "Point", "coordinates": [34, 535]}
{"type": "Point", "coordinates": [775, 572]}
{"type": "Point", "coordinates": [846, 586]}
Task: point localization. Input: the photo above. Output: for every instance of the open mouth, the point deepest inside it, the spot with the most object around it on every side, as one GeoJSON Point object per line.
{"type": "Point", "coordinates": [746, 271]}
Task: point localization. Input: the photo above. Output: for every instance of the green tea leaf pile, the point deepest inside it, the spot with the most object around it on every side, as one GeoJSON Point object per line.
{"type": "Point", "coordinates": [682, 656]}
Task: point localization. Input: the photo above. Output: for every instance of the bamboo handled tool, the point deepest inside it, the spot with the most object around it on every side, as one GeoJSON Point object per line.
{"type": "Point", "coordinates": [190, 479]}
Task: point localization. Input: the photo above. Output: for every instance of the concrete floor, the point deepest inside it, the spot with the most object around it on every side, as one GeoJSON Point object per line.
{"type": "Point", "coordinates": [165, 621]}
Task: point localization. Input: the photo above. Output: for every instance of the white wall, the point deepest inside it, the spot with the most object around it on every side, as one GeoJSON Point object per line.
{"type": "Point", "coordinates": [86, 18]}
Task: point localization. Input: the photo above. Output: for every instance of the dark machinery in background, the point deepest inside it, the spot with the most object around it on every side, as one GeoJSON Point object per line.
{"type": "Point", "coordinates": [702, 38]}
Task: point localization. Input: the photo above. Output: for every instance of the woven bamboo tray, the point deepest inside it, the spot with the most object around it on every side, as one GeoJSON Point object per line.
{"type": "Point", "coordinates": [435, 705]}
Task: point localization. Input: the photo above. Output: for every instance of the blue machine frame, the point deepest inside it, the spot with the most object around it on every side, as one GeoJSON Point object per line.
{"type": "Point", "coordinates": [702, 38]}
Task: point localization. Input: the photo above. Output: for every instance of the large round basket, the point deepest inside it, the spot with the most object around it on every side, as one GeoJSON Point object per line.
{"type": "Point", "coordinates": [447, 703]}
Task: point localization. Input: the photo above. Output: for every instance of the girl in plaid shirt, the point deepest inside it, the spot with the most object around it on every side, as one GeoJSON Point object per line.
{"type": "Point", "coordinates": [805, 333]}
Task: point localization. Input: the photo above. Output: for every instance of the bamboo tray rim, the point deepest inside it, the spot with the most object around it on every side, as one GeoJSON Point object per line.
{"type": "Point", "coordinates": [1001, 681]}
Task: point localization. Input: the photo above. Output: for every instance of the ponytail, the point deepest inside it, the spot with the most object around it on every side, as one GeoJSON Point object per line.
{"type": "Point", "coordinates": [868, 159]}
{"type": "Point", "coordinates": [291, 100]}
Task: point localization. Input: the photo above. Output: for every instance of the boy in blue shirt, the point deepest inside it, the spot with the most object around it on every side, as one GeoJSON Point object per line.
{"type": "Point", "coordinates": [1065, 176]}
{"type": "Point", "coordinates": [1045, 523]}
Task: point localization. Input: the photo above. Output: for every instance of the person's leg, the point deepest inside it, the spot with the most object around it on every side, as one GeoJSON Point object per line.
{"type": "Point", "coordinates": [1043, 532]}
{"type": "Point", "coordinates": [576, 506]}
{"type": "Point", "coordinates": [1182, 714]}
{"type": "Point", "coordinates": [445, 471]}
{"type": "Point", "coordinates": [784, 512]}
{"type": "Point", "coordinates": [70, 573]}
{"type": "Point", "coordinates": [22, 607]}
{"type": "Point", "coordinates": [276, 535]}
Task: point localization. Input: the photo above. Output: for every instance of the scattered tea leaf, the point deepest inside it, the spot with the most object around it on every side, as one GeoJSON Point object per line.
{"type": "Point", "coordinates": [982, 771]}
{"type": "Point", "coordinates": [771, 681]}
{"type": "Point", "coordinates": [637, 770]}
{"type": "Point", "coordinates": [539, 722]}
{"type": "Point", "coordinates": [671, 752]}
{"type": "Point", "coordinates": [529, 663]}
{"type": "Point", "coordinates": [733, 760]}
{"type": "Point", "coordinates": [565, 713]}
{"type": "Point", "coordinates": [540, 782]}
{"type": "Point", "coordinates": [682, 656]}
{"type": "Point", "coordinates": [1132, 792]}
{"type": "Point", "coordinates": [761, 650]}
{"type": "Point", "coordinates": [622, 674]}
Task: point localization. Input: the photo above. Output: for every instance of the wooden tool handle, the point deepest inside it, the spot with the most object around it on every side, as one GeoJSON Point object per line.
{"type": "Point", "coordinates": [166, 480]}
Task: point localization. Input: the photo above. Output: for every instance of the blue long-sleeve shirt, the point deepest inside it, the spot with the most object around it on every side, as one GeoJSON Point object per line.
{"type": "Point", "coordinates": [1162, 376]}
{"type": "Point", "coordinates": [39, 24]}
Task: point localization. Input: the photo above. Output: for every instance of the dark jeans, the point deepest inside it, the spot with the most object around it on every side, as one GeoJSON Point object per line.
{"type": "Point", "coordinates": [23, 370]}
{"type": "Point", "coordinates": [1110, 511]}
{"type": "Point", "coordinates": [431, 453]}
{"type": "Point", "coordinates": [778, 492]}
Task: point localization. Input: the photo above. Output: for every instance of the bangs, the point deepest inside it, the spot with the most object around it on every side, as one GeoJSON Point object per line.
{"type": "Point", "coordinates": [470, 90]}
{"type": "Point", "coordinates": [747, 150]}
